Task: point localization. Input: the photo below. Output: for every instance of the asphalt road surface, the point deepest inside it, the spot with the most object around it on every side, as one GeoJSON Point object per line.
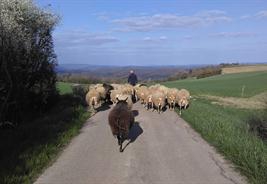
{"type": "Point", "coordinates": [164, 150]}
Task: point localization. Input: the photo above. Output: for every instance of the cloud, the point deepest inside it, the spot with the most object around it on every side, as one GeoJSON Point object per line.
{"type": "Point", "coordinates": [188, 37]}
{"type": "Point", "coordinates": [170, 21]}
{"type": "Point", "coordinates": [243, 17]}
{"type": "Point", "coordinates": [163, 38]}
{"type": "Point", "coordinates": [102, 15]}
{"type": "Point", "coordinates": [83, 38]}
{"type": "Point", "coordinates": [155, 40]}
{"type": "Point", "coordinates": [233, 34]}
{"type": "Point", "coordinates": [261, 14]}
{"type": "Point", "coordinates": [147, 38]}
{"type": "Point", "coordinates": [209, 13]}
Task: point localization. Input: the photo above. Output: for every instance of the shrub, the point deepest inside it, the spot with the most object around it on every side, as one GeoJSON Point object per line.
{"type": "Point", "coordinates": [27, 76]}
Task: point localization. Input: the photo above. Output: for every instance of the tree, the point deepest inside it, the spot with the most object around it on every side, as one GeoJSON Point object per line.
{"type": "Point", "coordinates": [27, 58]}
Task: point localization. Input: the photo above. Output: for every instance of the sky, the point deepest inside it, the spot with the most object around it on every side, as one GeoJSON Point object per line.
{"type": "Point", "coordinates": [159, 32]}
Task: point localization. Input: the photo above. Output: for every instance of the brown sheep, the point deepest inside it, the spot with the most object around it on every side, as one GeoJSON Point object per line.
{"type": "Point", "coordinates": [121, 120]}
{"type": "Point", "coordinates": [128, 100]}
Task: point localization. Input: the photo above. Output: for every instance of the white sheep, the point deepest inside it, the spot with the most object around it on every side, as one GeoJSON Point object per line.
{"type": "Point", "coordinates": [114, 94]}
{"type": "Point", "coordinates": [93, 98]}
{"type": "Point", "coordinates": [164, 90]}
{"type": "Point", "coordinates": [171, 97]}
{"type": "Point", "coordinates": [158, 100]}
{"type": "Point", "coordinates": [142, 93]}
{"type": "Point", "coordinates": [104, 91]}
{"type": "Point", "coordinates": [183, 97]}
{"type": "Point", "coordinates": [148, 103]}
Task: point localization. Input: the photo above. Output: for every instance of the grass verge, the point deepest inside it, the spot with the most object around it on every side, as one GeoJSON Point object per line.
{"type": "Point", "coordinates": [227, 130]}
{"type": "Point", "coordinates": [64, 88]}
{"type": "Point", "coordinates": [27, 149]}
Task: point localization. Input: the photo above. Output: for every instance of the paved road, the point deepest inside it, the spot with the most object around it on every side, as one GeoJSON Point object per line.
{"type": "Point", "coordinates": [165, 150]}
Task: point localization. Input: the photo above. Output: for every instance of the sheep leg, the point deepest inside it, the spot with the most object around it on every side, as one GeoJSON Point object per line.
{"type": "Point", "coordinates": [144, 104]}
{"type": "Point", "coordinates": [120, 143]}
{"type": "Point", "coordinates": [148, 106]}
{"type": "Point", "coordinates": [118, 137]}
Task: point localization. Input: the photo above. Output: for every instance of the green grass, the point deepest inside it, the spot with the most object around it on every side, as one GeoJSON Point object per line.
{"type": "Point", "coordinates": [64, 88]}
{"type": "Point", "coordinates": [225, 85]}
{"type": "Point", "coordinates": [226, 128]}
{"type": "Point", "coordinates": [27, 149]}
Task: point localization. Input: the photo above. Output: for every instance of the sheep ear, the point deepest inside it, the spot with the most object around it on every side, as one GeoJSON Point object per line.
{"type": "Point", "coordinates": [117, 99]}
{"type": "Point", "coordinates": [126, 99]}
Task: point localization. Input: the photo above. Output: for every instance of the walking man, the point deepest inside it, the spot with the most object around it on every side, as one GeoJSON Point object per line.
{"type": "Point", "coordinates": [132, 79]}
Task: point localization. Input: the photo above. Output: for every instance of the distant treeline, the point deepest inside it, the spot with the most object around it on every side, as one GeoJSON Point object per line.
{"type": "Point", "coordinates": [86, 78]}
{"type": "Point", "coordinates": [229, 64]}
{"type": "Point", "coordinates": [197, 73]}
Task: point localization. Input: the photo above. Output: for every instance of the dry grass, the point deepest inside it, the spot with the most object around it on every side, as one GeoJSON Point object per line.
{"type": "Point", "coordinates": [241, 69]}
{"type": "Point", "coordinates": [255, 102]}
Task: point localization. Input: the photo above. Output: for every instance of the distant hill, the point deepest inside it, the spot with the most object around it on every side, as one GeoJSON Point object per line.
{"type": "Point", "coordinates": [121, 72]}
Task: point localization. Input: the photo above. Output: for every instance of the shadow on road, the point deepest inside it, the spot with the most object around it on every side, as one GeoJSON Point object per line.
{"type": "Point", "coordinates": [134, 133]}
{"type": "Point", "coordinates": [103, 107]}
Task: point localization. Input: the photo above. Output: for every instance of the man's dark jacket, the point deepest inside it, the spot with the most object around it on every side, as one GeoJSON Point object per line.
{"type": "Point", "coordinates": [132, 79]}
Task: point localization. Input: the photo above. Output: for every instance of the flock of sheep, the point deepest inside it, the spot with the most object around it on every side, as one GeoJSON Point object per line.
{"type": "Point", "coordinates": [121, 117]}
{"type": "Point", "coordinates": [155, 97]}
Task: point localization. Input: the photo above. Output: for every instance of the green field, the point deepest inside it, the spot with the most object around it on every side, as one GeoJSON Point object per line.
{"type": "Point", "coordinates": [226, 128]}
{"type": "Point", "coordinates": [225, 85]}
{"type": "Point", "coordinates": [64, 88]}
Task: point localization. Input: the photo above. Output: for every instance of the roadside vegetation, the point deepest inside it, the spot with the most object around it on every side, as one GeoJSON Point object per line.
{"type": "Point", "coordinates": [26, 150]}
{"type": "Point", "coordinates": [238, 133]}
{"type": "Point", "coordinates": [36, 120]}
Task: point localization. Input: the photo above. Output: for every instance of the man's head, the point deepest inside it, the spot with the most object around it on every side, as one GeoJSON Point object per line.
{"type": "Point", "coordinates": [131, 71]}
